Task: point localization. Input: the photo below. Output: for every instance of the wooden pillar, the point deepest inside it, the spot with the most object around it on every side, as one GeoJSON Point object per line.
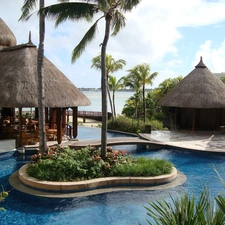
{"type": "Point", "coordinates": [193, 119]}
{"type": "Point", "coordinates": [75, 124]}
{"type": "Point", "coordinates": [59, 125]}
{"type": "Point", "coordinates": [53, 117]}
{"type": "Point", "coordinates": [36, 113]}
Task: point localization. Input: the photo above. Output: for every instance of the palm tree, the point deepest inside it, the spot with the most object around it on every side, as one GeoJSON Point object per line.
{"type": "Point", "coordinates": [166, 86]}
{"type": "Point", "coordinates": [114, 85]}
{"type": "Point", "coordinates": [222, 79]}
{"type": "Point", "coordinates": [112, 66]}
{"type": "Point", "coordinates": [142, 76]}
{"type": "Point", "coordinates": [27, 7]}
{"type": "Point", "coordinates": [112, 12]}
{"type": "Point", "coordinates": [131, 82]}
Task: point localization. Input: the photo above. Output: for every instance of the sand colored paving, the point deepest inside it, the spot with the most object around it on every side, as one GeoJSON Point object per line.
{"type": "Point", "coordinates": [202, 141]}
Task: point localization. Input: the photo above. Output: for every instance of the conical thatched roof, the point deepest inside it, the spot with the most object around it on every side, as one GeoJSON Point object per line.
{"type": "Point", "coordinates": [19, 81]}
{"type": "Point", "coordinates": [199, 89]}
{"type": "Point", "coordinates": [7, 38]}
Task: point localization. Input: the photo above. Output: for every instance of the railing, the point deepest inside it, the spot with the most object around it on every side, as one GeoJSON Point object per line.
{"type": "Point", "coordinates": [89, 113]}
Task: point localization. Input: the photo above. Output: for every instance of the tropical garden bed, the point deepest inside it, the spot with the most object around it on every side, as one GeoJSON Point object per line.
{"type": "Point", "coordinates": [65, 169]}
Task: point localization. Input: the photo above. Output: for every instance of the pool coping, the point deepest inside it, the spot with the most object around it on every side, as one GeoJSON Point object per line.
{"type": "Point", "coordinates": [16, 183]}
{"type": "Point", "coordinates": [93, 183]}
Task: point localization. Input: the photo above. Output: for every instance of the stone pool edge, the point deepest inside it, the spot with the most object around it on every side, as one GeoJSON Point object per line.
{"type": "Point", "coordinates": [94, 183]}
{"type": "Point", "coordinates": [19, 186]}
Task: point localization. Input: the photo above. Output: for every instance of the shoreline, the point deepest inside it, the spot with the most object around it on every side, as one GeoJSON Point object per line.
{"type": "Point", "coordinates": [88, 122]}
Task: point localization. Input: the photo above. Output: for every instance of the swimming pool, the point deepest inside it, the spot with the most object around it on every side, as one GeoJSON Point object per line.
{"type": "Point", "coordinates": [116, 208]}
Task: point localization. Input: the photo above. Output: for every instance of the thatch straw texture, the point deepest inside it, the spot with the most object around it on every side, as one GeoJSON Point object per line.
{"type": "Point", "coordinates": [199, 89]}
{"type": "Point", "coordinates": [19, 81]}
{"type": "Point", "coordinates": [7, 38]}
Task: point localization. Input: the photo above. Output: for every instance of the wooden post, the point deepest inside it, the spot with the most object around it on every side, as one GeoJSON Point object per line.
{"type": "Point", "coordinates": [75, 124]}
{"type": "Point", "coordinates": [193, 119]}
{"type": "Point", "coordinates": [59, 125]}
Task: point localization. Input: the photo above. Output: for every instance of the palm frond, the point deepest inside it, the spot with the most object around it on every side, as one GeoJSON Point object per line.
{"type": "Point", "coordinates": [69, 10]}
{"type": "Point", "coordinates": [128, 5]}
{"type": "Point", "coordinates": [117, 23]}
{"type": "Point", "coordinates": [221, 202]}
{"type": "Point", "coordinates": [26, 8]}
{"type": "Point", "coordinates": [88, 37]}
{"type": "Point", "coordinates": [96, 62]}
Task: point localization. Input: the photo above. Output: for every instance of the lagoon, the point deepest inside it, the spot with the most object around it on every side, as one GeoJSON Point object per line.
{"type": "Point", "coordinates": [95, 98]}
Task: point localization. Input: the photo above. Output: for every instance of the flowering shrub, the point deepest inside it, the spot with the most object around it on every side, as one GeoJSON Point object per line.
{"type": "Point", "coordinates": [3, 195]}
{"type": "Point", "coordinates": [65, 164]}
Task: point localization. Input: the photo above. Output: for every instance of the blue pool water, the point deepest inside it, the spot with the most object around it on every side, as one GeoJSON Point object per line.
{"type": "Point", "coordinates": [116, 208]}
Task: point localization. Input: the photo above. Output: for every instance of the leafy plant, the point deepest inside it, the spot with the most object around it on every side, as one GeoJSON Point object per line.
{"type": "Point", "coordinates": [123, 123]}
{"type": "Point", "coordinates": [65, 164]}
{"type": "Point", "coordinates": [185, 211]}
{"type": "Point", "coordinates": [3, 195]}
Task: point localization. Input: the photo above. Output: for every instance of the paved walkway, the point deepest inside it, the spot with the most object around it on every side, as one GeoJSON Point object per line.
{"type": "Point", "coordinates": [110, 142]}
{"type": "Point", "coordinates": [203, 141]}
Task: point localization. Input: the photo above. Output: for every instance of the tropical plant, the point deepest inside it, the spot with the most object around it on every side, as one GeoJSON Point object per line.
{"type": "Point", "coordinates": [162, 90]}
{"type": "Point", "coordinates": [112, 11]}
{"type": "Point", "coordinates": [114, 85]}
{"type": "Point", "coordinates": [184, 210]}
{"type": "Point", "coordinates": [150, 105]}
{"type": "Point", "coordinates": [125, 124]}
{"type": "Point", "coordinates": [65, 164]}
{"type": "Point", "coordinates": [142, 77]}
{"type": "Point", "coordinates": [131, 82]}
{"type": "Point", "coordinates": [133, 105]}
{"type": "Point", "coordinates": [222, 79]}
{"type": "Point", "coordinates": [220, 200]}
{"type": "Point", "coordinates": [166, 86]}
{"type": "Point", "coordinates": [112, 66]}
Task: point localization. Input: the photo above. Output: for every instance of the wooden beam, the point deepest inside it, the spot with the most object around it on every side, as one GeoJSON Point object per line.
{"type": "Point", "coordinates": [75, 123]}
{"type": "Point", "coordinates": [59, 125]}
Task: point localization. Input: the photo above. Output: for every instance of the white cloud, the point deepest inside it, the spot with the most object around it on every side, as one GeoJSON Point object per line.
{"type": "Point", "coordinates": [213, 57]}
{"type": "Point", "coordinates": [151, 35]}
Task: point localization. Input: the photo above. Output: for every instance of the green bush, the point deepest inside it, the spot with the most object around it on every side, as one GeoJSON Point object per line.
{"type": "Point", "coordinates": [126, 124]}
{"type": "Point", "coordinates": [65, 164]}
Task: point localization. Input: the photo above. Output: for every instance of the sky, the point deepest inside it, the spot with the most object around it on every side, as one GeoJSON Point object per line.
{"type": "Point", "coordinates": [170, 36]}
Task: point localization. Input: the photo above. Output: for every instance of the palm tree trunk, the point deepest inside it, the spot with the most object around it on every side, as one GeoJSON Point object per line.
{"type": "Point", "coordinates": [114, 107]}
{"type": "Point", "coordinates": [144, 103]}
{"type": "Point", "coordinates": [41, 95]}
{"type": "Point", "coordinates": [110, 101]}
{"type": "Point", "coordinates": [104, 81]}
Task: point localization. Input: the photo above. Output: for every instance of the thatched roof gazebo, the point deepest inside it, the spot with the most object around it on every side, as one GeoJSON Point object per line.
{"type": "Point", "coordinates": [197, 102]}
{"type": "Point", "coordinates": [19, 85]}
{"type": "Point", "coordinates": [7, 38]}
{"type": "Point", "coordinates": [19, 79]}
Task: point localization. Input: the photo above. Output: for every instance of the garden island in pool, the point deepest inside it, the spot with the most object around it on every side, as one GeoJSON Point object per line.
{"type": "Point", "coordinates": [117, 207]}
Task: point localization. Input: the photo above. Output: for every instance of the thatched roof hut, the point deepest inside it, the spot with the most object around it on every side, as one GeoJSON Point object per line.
{"type": "Point", "coordinates": [198, 100]}
{"type": "Point", "coordinates": [19, 85]}
{"type": "Point", "coordinates": [19, 81]}
{"type": "Point", "coordinates": [7, 38]}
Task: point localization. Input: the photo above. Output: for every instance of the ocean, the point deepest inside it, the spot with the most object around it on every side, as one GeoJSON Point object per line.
{"type": "Point", "coordinates": [95, 98]}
